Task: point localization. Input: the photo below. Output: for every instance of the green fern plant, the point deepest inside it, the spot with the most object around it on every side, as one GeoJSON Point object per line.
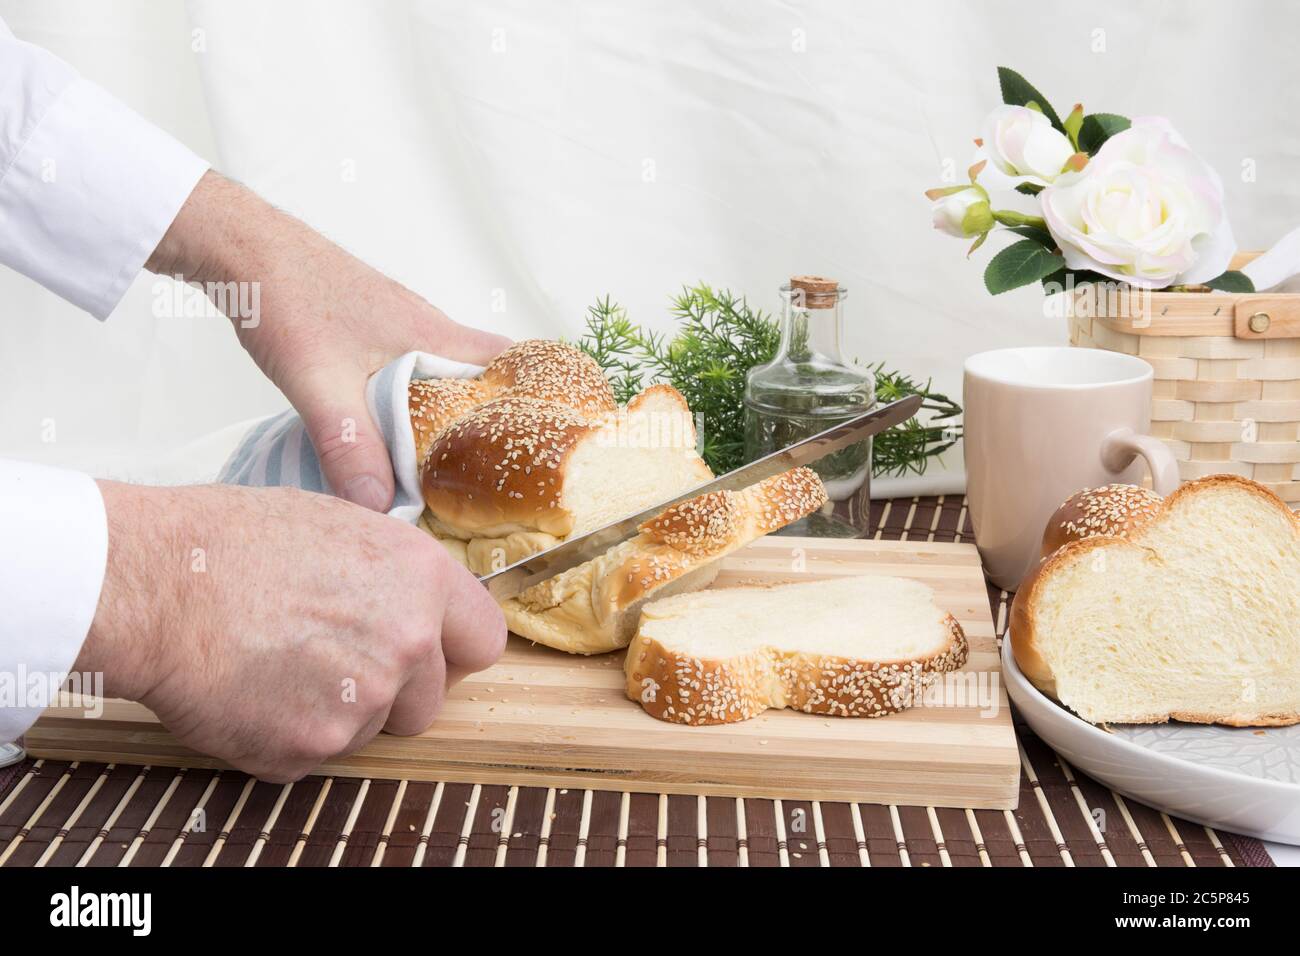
{"type": "Point", "coordinates": [718, 340]}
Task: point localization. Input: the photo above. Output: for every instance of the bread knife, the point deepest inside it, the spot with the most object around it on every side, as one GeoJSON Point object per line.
{"type": "Point", "coordinates": [511, 580]}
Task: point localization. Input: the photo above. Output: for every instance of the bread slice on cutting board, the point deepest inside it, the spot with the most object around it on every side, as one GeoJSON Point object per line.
{"type": "Point", "coordinates": [593, 608]}
{"type": "Point", "coordinates": [1186, 608]}
{"type": "Point", "coordinates": [847, 647]}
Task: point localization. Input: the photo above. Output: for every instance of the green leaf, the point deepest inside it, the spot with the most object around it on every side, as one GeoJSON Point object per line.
{"type": "Point", "coordinates": [1072, 124]}
{"type": "Point", "coordinates": [1060, 280]}
{"type": "Point", "coordinates": [1232, 281]}
{"type": "Point", "coordinates": [1040, 236]}
{"type": "Point", "coordinates": [1099, 127]}
{"type": "Point", "coordinates": [1017, 91]}
{"type": "Point", "coordinates": [1019, 264]}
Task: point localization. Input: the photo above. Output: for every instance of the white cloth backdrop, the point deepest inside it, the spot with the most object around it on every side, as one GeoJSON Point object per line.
{"type": "Point", "coordinates": [511, 161]}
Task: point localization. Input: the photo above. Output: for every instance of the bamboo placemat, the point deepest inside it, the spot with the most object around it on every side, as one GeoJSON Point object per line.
{"type": "Point", "coordinates": [57, 813]}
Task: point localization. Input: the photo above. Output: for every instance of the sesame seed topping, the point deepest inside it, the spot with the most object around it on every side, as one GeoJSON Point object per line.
{"type": "Point", "coordinates": [1109, 510]}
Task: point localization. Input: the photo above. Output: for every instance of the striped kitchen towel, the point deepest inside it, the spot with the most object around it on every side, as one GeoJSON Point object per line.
{"type": "Point", "coordinates": [276, 450]}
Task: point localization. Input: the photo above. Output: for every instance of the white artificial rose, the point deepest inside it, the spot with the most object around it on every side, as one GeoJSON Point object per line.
{"type": "Point", "coordinates": [1020, 146]}
{"type": "Point", "coordinates": [1145, 210]}
{"type": "Point", "coordinates": [962, 211]}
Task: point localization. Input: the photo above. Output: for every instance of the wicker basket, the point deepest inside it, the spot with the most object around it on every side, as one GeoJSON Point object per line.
{"type": "Point", "coordinates": [1226, 395]}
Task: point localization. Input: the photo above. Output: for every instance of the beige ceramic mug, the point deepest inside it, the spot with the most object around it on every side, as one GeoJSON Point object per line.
{"type": "Point", "coordinates": [1042, 423]}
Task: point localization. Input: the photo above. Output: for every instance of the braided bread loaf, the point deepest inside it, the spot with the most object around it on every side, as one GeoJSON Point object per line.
{"type": "Point", "coordinates": [536, 450]}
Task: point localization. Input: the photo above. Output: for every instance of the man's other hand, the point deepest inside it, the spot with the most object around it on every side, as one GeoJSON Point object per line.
{"type": "Point", "coordinates": [275, 629]}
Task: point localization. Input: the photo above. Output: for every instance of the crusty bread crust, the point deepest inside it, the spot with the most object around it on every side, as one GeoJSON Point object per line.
{"type": "Point", "coordinates": [1235, 720]}
{"type": "Point", "coordinates": [534, 368]}
{"type": "Point", "coordinates": [1109, 510]}
{"type": "Point", "coordinates": [502, 466]}
{"type": "Point", "coordinates": [550, 372]}
{"type": "Point", "coordinates": [687, 690]}
{"type": "Point", "coordinates": [1024, 639]}
{"type": "Point", "coordinates": [435, 403]}
{"type": "Point", "coordinates": [1024, 643]}
{"type": "Point", "coordinates": [705, 528]}
{"type": "Point", "coordinates": [593, 608]}
{"type": "Point", "coordinates": [493, 451]}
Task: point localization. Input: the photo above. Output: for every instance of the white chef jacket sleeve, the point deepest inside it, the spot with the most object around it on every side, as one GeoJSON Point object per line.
{"type": "Point", "coordinates": [87, 186]}
{"type": "Point", "coordinates": [87, 190]}
{"type": "Point", "coordinates": [53, 549]}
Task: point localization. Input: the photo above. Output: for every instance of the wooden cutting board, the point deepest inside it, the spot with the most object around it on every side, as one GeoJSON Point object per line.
{"type": "Point", "coordinates": [544, 718]}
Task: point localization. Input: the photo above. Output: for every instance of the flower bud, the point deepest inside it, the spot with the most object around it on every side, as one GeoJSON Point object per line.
{"type": "Point", "coordinates": [961, 211]}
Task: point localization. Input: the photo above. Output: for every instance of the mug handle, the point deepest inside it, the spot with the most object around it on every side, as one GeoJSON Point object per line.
{"type": "Point", "coordinates": [1121, 446]}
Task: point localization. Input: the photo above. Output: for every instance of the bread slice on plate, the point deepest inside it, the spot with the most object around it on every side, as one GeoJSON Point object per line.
{"type": "Point", "coordinates": [846, 647]}
{"type": "Point", "coordinates": [1187, 609]}
{"type": "Point", "coordinates": [593, 608]}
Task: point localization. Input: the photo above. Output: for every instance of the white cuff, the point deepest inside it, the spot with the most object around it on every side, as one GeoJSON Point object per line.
{"type": "Point", "coordinates": [53, 551]}
{"type": "Point", "coordinates": [89, 196]}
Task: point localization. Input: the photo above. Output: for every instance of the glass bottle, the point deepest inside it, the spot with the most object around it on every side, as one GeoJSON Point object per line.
{"type": "Point", "coordinates": [807, 388]}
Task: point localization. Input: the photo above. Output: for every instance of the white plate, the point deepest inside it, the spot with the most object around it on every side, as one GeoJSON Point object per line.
{"type": "Point", "coordinates": [1236, 778]}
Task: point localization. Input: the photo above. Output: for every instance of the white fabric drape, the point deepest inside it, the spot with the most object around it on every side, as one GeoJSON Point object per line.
{"type": "Point", "coordinates": [511, 161]}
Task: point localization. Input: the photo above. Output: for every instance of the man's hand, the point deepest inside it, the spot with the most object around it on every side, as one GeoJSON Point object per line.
{"type": "Point", "coordinates": [275, 629]}
{"type": "Point", "coordinates": [327, 322]}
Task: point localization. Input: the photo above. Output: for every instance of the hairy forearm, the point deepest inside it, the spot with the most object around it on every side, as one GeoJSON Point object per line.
{"type": "Point", "coordinates": [243, 250]}
{"type": "Point", "coordinates": [214, 234]}
{"type": "Point", "coordinates": [146, 555]}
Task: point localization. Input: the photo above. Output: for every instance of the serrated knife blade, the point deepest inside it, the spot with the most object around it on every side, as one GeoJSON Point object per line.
{"type": "Point", "coordinates": [509, 581]}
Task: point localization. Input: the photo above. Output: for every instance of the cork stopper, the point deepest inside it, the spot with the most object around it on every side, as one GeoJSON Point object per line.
{"type": "Point", "coordinates": [819, 292]}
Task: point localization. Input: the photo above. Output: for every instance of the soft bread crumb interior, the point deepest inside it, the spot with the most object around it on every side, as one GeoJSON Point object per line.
{"type": "Point", "coordinates": [867, 618]}
{"type": "Point", "coordinates": [639, 458]}
{"type": "Point", "coordinates": [1200, 618]}
{"type": "Point", "coordinates": [580, 580]}
{"type": "Point", "coordinates": [567, 618]}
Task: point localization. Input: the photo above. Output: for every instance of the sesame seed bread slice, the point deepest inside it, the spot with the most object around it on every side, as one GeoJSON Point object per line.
{"type": "Point", "coordinates": [1186, 609]}
{"type": "Point", "coordinates": [593, 608]}
{"type": "Point", "coordinates": [846, 647]}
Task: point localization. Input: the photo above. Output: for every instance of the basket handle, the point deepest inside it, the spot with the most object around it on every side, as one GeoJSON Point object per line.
{"type": "Point", "coordinates": [1267, 317]}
